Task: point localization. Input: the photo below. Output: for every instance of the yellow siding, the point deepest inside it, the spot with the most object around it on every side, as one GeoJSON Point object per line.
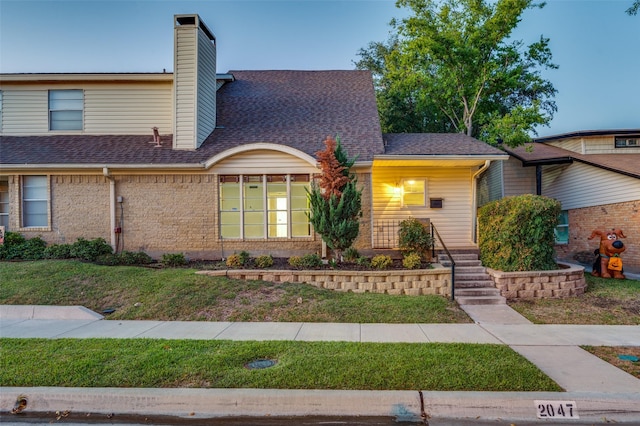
{"type": "Point", "coordinates": [263, 161]}
{"type": "Point", "coordinates": [581, 185]}
{"type": "Point", "coordinates": [594, 145]}
{"type": "Point", "coordinates": [453, 185]}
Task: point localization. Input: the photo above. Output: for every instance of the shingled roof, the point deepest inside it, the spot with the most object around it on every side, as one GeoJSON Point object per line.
{"type": "Point", "coordinates": [436, 144]}
{"type": "Point", "coordinates": [540, 153]}
{"type": "Point", "coordinates": [294, 108]}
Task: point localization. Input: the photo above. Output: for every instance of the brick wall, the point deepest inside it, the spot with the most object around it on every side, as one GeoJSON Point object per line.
{"type": "Point", "coordinates": [160, 214]}
{"type": "Point", "coordinates": [582, 222]}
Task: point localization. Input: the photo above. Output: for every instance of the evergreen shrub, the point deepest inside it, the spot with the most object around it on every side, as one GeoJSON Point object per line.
{"type": "Point", "coordinates": [17, 247]}
{"type": "Point", "coordinates": [173, 260]}
{"type": "Point", "coordinates": [516, 233]}
{"type": "Point", "coordinates": [414, 237]}
{"type": "Point", "coordinates": [412, 261]}
{"type": "Point", "coordinates": [381, 261]}
{"type": "Point", "coordinates": [90, 250]}
{"type": "Point", "coordinates": [264, 261]}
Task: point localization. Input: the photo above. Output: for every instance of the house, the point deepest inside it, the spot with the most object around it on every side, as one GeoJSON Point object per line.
{"type": "Point", "coordinates": [596, 177]}
{"type": "Point", "coordinates": [209, 164]}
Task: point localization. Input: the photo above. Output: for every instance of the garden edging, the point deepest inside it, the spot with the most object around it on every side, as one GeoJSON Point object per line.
{"type": "Point", "coordinates": [557, 283]}
{"type": "Point", "coordinates": [414, 282]}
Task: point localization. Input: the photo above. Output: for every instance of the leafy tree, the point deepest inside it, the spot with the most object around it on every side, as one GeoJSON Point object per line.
{"type": "Point", "coordinates": [451, 67]}
{"type": "Point", "coordinates": [633, 10]}
{"type": "Point", "coordinates": [335, 200]}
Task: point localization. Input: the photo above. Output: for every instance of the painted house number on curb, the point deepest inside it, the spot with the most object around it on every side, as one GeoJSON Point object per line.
{"type": "Point", "coordinates": [556, 409]}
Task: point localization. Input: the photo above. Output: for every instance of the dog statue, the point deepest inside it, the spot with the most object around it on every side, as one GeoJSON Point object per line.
{"type": "Point", "coordinates": [610, 246]}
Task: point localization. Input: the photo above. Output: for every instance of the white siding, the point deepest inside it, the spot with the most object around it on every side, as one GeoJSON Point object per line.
{"type": "Point", "coordinates": [109, 109]}
{"type": "Point", "coordinates": [184, 84]}
{"type": "Point", "coordinates": [263, 162]}
{"type": "Point", "coordinates": [454, 186]}
{"type": "Point", "coordinates": [574, 145]}
{"type": "Point", "coordinates": [206, 87]}
{"type": "Point", "coordinates": [25, 112]}
{"type": "Point", "coordinates": [580, 185]}
{"type": "Point", "coordinates": [518, 180]}
{"type": "Point", "coordinates": [128, 110]}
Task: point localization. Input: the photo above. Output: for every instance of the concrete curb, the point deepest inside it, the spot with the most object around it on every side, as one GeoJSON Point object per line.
{"type": "Point", "coordinates": [47, 312]}
{"type": "Point", "coordinates": [402, 405]}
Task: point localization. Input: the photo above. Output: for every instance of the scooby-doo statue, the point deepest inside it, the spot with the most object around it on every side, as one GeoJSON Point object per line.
{"type": "Point", "coordinates": [608, 263]}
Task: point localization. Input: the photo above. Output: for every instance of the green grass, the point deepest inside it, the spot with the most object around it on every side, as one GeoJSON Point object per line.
{"type": "Point", "coordinates": [138, 293]}
{"type": "Point", "coordinates": [300, 365]}
{"type": "Point", "coordinates": [607, 301]}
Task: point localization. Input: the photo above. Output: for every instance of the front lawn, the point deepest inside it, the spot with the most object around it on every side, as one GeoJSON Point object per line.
{"type": "Point", "coordinates": [606, 301]}
{"type": "Point", "coordinates": [146, 363]}
{"type": "Point", "coordinates": [141, 293]}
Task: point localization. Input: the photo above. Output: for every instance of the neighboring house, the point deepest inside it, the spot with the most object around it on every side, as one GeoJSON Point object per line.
{"type": "Point", "coordinates": [594, 174]}
{"type": "Point", "coordinates": [210, 164]}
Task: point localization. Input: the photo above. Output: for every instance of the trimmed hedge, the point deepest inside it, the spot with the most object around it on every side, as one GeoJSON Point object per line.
{"type": "Point", "coordinates": [516, 233]}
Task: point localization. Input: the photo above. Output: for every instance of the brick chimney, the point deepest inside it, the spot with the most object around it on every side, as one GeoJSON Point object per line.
{"type": "Point", "coordinates": [194, 82]}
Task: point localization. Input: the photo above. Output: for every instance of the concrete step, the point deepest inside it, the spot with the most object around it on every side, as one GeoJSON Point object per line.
{"type": "Point", "coordinates": [477, 291]}
{"type": "Point", "coordinates": [475, 284]}
{"type": "Point", "coordinates": [466, 270]}
{"type": "Point", "coordinates": [459, 256]}
{"type": "Point", "coordinates": [472, 277]}
{"type": "Point", "coordinates": [480, 300]}
{"type": "Point", "coordinates": [459, 263]}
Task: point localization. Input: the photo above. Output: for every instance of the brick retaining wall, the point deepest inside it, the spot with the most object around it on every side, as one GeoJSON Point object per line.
{"type": "Point", "coordinates": [411, 282]}
{"type": "Point", "coordinates": [557, 283]}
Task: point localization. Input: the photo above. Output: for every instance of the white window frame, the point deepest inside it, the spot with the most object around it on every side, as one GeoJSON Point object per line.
{"type": "Point", "coordinates": [67, 101]}
{"type": "Point", "coordinates": [25, 222]}
{"type": "Point", "coordinates": [564, 214]}
{"type": "Point", "coordinates": [410, 182]}
{"type": "Point", "coordinates": [4, 202]}
{"type": "Point", "coordinates": [265, 179]}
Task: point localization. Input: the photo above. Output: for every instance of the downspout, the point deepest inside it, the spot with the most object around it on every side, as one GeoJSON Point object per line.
{"type": "Point", "coordinates": [474, 199]}
{"type": "Point", "coordinates": [112, 204]}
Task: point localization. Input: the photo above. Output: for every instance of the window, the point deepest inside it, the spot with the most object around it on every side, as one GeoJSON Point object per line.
{"type": "Point", "coordinates": [35, 201]}
{"type": "Point", "coordinates": [413, 193]}
{"type": "Point", "coordinates": [264, 206]}
{"type": "Point", "coordinates": [4, 202]}
{"type": "Point", "coordinates": [628, 141]}
{"type": "Point", "coordinates": [562, 230]}
{"type": "Point", "coordinates": [65, 109]}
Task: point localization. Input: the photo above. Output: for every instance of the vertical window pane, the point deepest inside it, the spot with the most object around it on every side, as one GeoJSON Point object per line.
{"type": "Point", "coordinates": [413, 192]}
{"type": "Point", "coordinates": [562, 230]}
{"type": "Point", "coordinates": [4, 203]}
{"type": "Point", "coordinates": [35, 201]}
{"type": "Point", "coordinates": [230, 207]}
{"type": "Point", "coordinates": [277, 217]}
{"type": "Point", "coordinates": [65, 109]}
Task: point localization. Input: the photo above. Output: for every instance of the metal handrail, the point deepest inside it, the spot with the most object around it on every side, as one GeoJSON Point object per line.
{"type": "Point", "coordinates": [435, 232]}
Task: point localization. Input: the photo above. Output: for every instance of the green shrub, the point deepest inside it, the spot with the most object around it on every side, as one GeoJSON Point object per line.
{"type": "Point", "coordinates": [17, 246]}
{"type": "Point", "coordinates": [58, 251]}
{"type": "Point", "coordinates": [363, 261]}
{"type": "Point", "coordinates": [414, 237]}
{"type": "Point", "coordinates": [239, 260]}
{"type": "Point", "coordinates": [124, 258]}
{"type": "Point", "coordinates": [295, 261]}
{"type": "Point", "coordinates": [351, 255]}
{"type": "Point", "coordinates": [308, 261]}
{"type": "Point", "coordinates": [516, 233]}
{"type": "Point", "coordinates": [135, 258]}
{"type": "Point", "coordinates": [173, 260]}
{"type": "Point", "coordinates": [412, 261]}
{"type": "Point", "coordinates": [381, 261]}
{"type": "Point", "coordinates": [264, 261]}
{"type": "Point", "coordinates": [90, 250]}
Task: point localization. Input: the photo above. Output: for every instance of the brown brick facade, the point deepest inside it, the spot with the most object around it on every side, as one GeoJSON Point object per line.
{"type": "Point", "coordinates": [582, 222]}
{"type": "Point", "coordinates": [159, 214]}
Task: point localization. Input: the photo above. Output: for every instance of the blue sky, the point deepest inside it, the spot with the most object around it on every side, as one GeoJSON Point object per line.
{"type": "Point", "coordinates": [595, 43]}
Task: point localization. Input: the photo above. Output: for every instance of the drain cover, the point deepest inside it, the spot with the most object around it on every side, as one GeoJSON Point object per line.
{"type": "Point", "coordinates": [259, 364]}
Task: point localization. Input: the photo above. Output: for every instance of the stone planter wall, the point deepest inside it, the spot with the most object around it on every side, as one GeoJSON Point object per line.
{"type": "Point", "coordinates": [557, 283]}
{"type": "Point", "coordinates": [411, 282]}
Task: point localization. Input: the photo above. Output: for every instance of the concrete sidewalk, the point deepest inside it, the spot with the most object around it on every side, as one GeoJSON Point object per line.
{"type": "Point", "coordinates": [600, 390]}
